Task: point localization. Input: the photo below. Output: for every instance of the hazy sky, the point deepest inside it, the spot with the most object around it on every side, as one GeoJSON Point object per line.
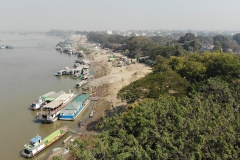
{"type": "Point", "coordinates": [119, 14]}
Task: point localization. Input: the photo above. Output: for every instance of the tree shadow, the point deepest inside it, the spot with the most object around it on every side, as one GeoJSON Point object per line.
{"type": "Point", "coordinates": [92, 126]}
{"type": "Point", "coordinates": [116, 110]}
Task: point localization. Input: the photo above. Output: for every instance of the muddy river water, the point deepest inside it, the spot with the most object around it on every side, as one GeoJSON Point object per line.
{"type": "Point", "coordinates": [26, 72]}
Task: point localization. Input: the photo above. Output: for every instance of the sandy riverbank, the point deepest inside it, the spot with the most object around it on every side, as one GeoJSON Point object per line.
{"type": "Point", "coordinates": [108, 81]}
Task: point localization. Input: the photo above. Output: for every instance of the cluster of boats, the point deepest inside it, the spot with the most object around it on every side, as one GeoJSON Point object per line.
{"type": "Point", "coordinates": [81, 70]}
{"type": "Point", "coordinates": [54, 106]}
{"type": "Point", "coordinates": [59, 105]}
{"type": "Point", "coordinates": [6, 47]}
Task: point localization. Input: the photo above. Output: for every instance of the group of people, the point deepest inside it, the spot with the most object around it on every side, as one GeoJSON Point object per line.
{"type": "Point", "coordinates": [80, 124]}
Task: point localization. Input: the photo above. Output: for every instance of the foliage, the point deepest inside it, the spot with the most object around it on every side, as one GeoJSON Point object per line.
{"type": "Point", "coordinates": [236, 37]}
{"type": "Point", "coordinates": [160, 40]}
{"type": "Point", "coordinates": [97, 37]}
{"type": "Point", "coordinates": [168, 120]}
{"type": "Point", "coordinates": [168, 128]}
{"type": "Point", "coordinates": [153, 85]}
{"type": "Point", "coordinates": [84, 49]}
{"type": "Point", "coordinates": [190, 42]}
{"type": "Point", "coordinates": [187, 37]}
{"type": "Point", "coordinates": [224, 41]}
{"type": "Point", "coordinates": [138, 45]}
{"type": "Point", "coordinates": [165, 51]}
{"type": "Point", "coordinates": [57, 158]}
{"type": "Point", "coordinates": [197, 67]}
{"type": "Point", "coordinates": [217, 46]}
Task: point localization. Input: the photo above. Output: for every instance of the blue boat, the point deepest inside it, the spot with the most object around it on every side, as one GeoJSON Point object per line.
{"type": "Point", "coordinates": [73, 109]}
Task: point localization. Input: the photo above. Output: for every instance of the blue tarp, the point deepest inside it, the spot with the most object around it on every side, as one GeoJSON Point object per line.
{"type": "Point", "coordinates": [35, 139]}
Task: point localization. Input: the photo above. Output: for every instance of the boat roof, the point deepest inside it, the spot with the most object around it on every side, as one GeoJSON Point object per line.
{"type": "Point", "coordinates": [54, 134]}
{"type": "Point", "coordinates": [82, 82]}
{"type": "Point", "coordinates": [54, 96]}
{"type": "Point", "coordinates": [64, 97]}
{"type": "Point", "coordinates": [85, 61]}
{"type": "Point", "coordinates": [35, 139]}
{"type": "Point", "coordinates": [49, 138]}
{"type": "Point", "coordinates": [79, 67]}
{"type": "Point", "coordinates": [48, 94]}
{"type": "Point", "coordinates": [78, 100]}
{"type": "Point", "coordinates": [53, 104]}
{"type": "Point", "coordinates": [85, 66]}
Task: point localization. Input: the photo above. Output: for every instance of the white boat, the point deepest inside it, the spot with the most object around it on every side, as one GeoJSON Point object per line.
{"type": "Point", "coordinates": [50, 111]}
{"type": "Point", "coordinates": [37, 104]}
{"type": "Point", "coordinates": [70, 52]}
{"type": "Point", "coordinates": [84, 77]}
{"type": "Point", "coordinates": [73, 109]}
{"type": "Point", "coordinates": [80, 84]}
{"type": "Point", "coordinates": [57, 47]}
{"type": "Point", "coordinates": [9, 47]}
{"type": "Point", "coordinates": [59, 73]}
{"type": "Point", "coordinates": [36, 144]}
{"type": "Point", "coordinates": [2, 47]}
{"type": "Point", "coordinates": [76, 75]}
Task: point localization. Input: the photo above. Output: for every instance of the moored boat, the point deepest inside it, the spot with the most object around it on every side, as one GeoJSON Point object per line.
{"type": "Point", "coordinates": [37, 104]}
{"type": "Point", "coordinates": [36, 144]}
{"type": "Point", "coordinates": [73, 109]}
{"type": "Point", "coordinates": [9, 47]}
{"type": "Point", "coordinates": [59, 73]}
{"type": "Point", "coordinates": [81, 83]}
{"type": "Point", "coordinates": [76, 75]}
{"type": "Point", "coordinates": [50, 111]}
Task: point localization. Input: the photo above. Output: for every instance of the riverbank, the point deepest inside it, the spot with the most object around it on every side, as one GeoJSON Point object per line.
{"type": "Point", "coordinates": [108, 80]}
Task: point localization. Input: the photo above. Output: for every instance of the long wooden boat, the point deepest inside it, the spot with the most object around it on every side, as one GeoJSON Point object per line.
{"type": "Point", "coordinates": [81, 83]}
{"type": "Point", "coordinates": [36, 144]}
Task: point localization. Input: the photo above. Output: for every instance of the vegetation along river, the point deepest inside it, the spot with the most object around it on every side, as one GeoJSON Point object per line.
{"type": "Point", "coordinates": [27, 72]}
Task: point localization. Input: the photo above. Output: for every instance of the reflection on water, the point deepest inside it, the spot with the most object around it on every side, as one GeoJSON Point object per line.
{"type": "Point", "coordinates": [26, 73]}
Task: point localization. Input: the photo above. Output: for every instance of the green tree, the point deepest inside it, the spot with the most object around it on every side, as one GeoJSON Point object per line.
{"type": "Point", "coordinates": [187, 37]}
{"type": "Point", "coordinates": [137, 45]}
{"type": "Point", "coordinates": [236, 37]}
{"type": "Point", "coordinates": [168, 128]}
{"type": "Point", "coordinates": [217, 46]}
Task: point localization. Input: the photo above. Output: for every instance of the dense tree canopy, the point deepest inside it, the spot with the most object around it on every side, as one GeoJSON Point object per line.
{"type": "Point", "coordinates": [154, 85]}
{"type": "Point", "coordinates": [187, 108]}
{"type": "Point", "coordinates": [187, 37]}
{"type": "Point", "coordinates": [196, 67]}
{"type": "Point", "coordinates": [168, 128]}
{"type": "Point", "coordinates": [236, 37]}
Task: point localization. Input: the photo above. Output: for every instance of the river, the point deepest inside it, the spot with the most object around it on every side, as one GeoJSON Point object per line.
{"type": "Point", "coordinates": [27, 72]}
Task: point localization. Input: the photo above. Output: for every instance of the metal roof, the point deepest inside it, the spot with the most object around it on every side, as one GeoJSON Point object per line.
{"type": "Point", "coordinates": [79, 67]}
{"type": "Point", "coordinates": [77, 101]}
{"type": "Point", "coordinates": [64, 97]}
{"type": "Point", "coordinates": [53, 104]}
{"type": "Point", "coordinates": [85, 66]}
{"type": "Point", "coordinates": [55, 95]}
{"type": "Point", "coordinates": [48, 94]}
{"type": "Point", "coordinates": [82, 82]}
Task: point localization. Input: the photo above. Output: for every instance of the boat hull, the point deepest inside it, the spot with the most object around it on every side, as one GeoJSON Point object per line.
{"type": "Point", "coordinates": [56, 138]}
